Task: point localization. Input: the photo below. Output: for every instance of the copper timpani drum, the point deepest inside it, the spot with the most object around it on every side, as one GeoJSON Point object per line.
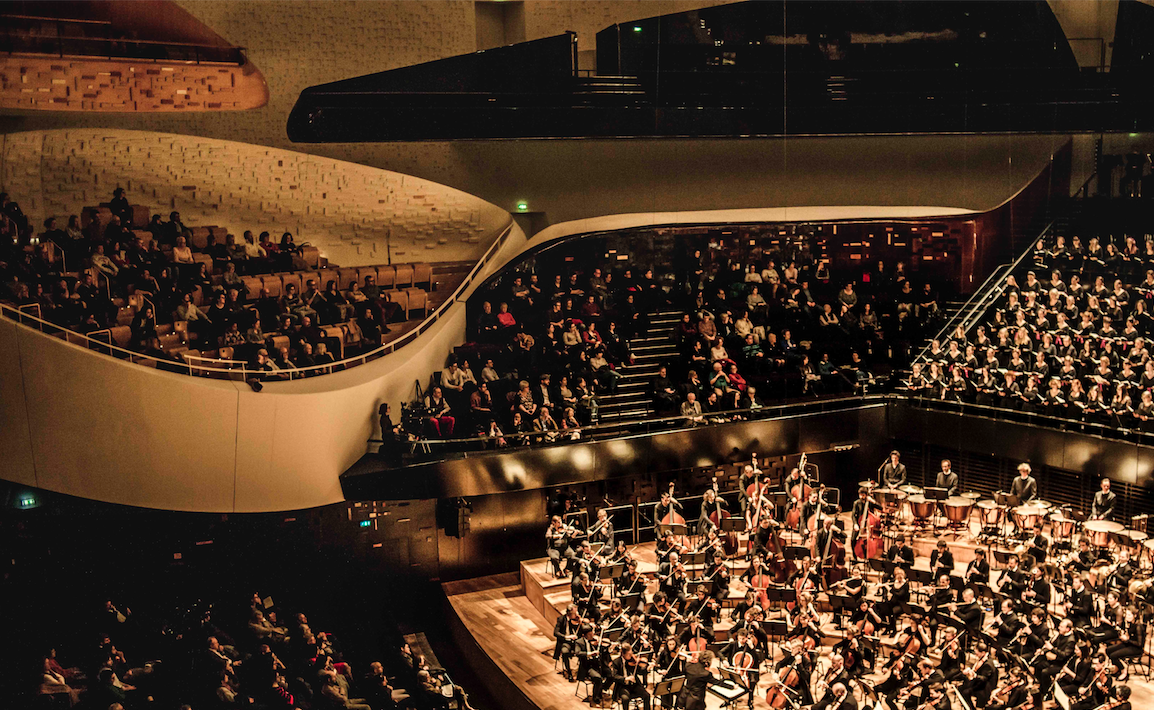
{"type": "Point", "coordinates": [1148, 548]}
{"type": "Point", "coordinates": [920, 508]}
{"type": "Point", "coordinates": [1136, 537]}
{"type": "Point", "coordinates": [1026, 516]}
{"type": "Point", "coordinates": [1099, 531]}
{"type": "Point", "coordinates": [890, 499]}
{"type": "Point", "coordinates": [958, 509]}
{"type": "Point", "coordinates": [991, 513]}
{"type": "Point", "coordinates": [1061, 527]}
{"type": "Point", "coordinates": [911, 490]}
{"type": "Point", "coordinates": [972, 495]}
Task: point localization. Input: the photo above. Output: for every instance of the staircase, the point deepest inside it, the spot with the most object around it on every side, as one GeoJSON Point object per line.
{"type": "Point", "coordinates": [633, 399]}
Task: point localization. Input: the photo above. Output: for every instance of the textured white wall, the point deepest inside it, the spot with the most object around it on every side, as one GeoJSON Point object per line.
{"type": "Point", "coordinates": [348, 210]}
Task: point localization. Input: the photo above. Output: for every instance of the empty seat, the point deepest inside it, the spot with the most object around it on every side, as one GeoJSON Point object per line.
{"type": "Point", "coordinates": [253, 285]}
{"type": "Point", "coordinates": [278, 341]}
{"type": "Point", "coordinates": [404, 276]}
{"type": "Point", "coordinates": [345, 277]}
{"type": "Point", "coordinates": [418, 299]}
{"type": "Point", "coordinates": [272, 282]}
{"type": "Point", "coordinates": [125, 315]}
{"type": "Point", "coordinates": [199, 237]}
{"type": "Point", "coordinates": [386, 276]}
{"type": "Point", "coordinates": [401, 298]}
{"type": "Point", "coordinates": [423, 275]}
{"type": "Point", "coordinates": [140, 215]}
{"type": "Point", "coordinates": [225, 353]}
{"type": "Point", "coordinates": [312, 256]}
{"type": "Point", "coordinates": [121, 335]}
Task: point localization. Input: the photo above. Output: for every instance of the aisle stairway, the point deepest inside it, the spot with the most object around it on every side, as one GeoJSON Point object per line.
{"type": "Point", "coordinates": [633, 399]}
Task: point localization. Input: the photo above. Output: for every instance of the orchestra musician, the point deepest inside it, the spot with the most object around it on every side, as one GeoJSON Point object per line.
{"type": "Point", "coordinates": [968, 612]}
{"type": "Point", "coordinates": [747, 667]}
{"type": "Point", "coordinates": [660, 614]}
{"type": "Point", "coordinates": [632, 582]}
{"type": "Point", "coordinates": [897, 603]}
{"type": "Point", "coordinates": [673, 580]}
{"type": "Point", "coordinates": [823, 539]}
{"type": "Point", "coordinates": [941, 560]}
{"type": "Point", "coordinates": [1131, 639]}
{"type": "Point", "coordinates": [1098, 691]}
{"type": "Point", "coordinates": [1102, 507]}
{"type": "Point", "coordinates": [585, 561]}
{"type": "Point", "coordinates": [841, 699]}
{"type": "Point", "coordinates": [670, 664]}
{"type": "Point", "coordinates": [937, 699]}
{"type": "Point", "coordinates": [892, 473]}
{"type": "Point", "coordinates": [917, 693]}
{"type": "Point", "coordinates": [762, 536]}
{"type": "Point", "coordinates": [953, 654]}
{"type": "Point", "coordinates": [664, 507]}
{"type": "Point", "coordinates": [939, 603]}
{"type": "Point", "coordinates": [602, 532]}
{"type": "Point", "coordinates": [901, 554]}
{"type": "Point", "coordinates": [835, 674]}
{"type": "Point", "coordinates": [1012, 581]}
{"type": "Point", "coordinates": [587, 597]}
{"type": "Point", "coordinates": [1054, 654]}
{"type": "Point", "coordinates": [628, 671]}
{"type": "Point", "coordinates": [695, 630]}
{"type": "Point", "coordinates": [702, 607]}
{"type": "Point", "coordinates": [1077, 671]}
{"type": "Point", "coordinates": [1015, 692]}
{"type": "Point", "coordinates": [1123, 572]}
{"type": "Point", "coordinates": [813, 504]}
{"type": "Point", "coordinates": [1039, 592]}
{"type": "Point", "coordinates": [1083, 559]}
{"type": "Point", "coordinates": [717, 573]}
{"type": "Point", "coordinates": [1005, 626]}
{"type": "Point", "coordinates": [1079, 602]}
{"type": "Point", "coordinates": [1105, 625]}
{"type": "Point", "coordinates": [947, 478]}
{"type": "Point", "coordinates": [797, 658]}
{"type": "Point", "coordinates": [858, 514]}
{"type": "Point", "coordinates": [1025, 486]}
{"type": "Point", "coordinates": [856, 655]}
{"type": "Point", "coordinates": [710, 503]}
{"type": "Point", "coordinates": [669, 543]}
{"type": "Point", "coordinates": [565, 633]}
{"type": "Point", "coordinates": [1039, 544]}
{"type": "Point", "coordinates": [978, 571]}
{"type": "Point", "coordinates": [637, 635]}
{"type": "Point", "coordinates": [589, 664]}
{"type": "Point", "coordinates": [981, 678]}
{"type": "Point", "coordinates": [557, 538]}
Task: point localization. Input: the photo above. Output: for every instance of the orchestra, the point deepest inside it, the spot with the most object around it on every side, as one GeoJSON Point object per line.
{"type": "Point", "coordinates": [786, 615]}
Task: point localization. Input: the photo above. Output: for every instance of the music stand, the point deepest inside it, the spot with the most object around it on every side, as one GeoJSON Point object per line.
{"type": "Point", "coordinates": [613, 572]}
{"type": "Point", "coordinates": [840, 604]}
{"type": "Point", "coordinates": [729, 698]}
{"type": "Point", "coordinates": [795, 552]}
{"type": "Point", "coordinates": [629, 601]}
{"type": "Point", "coordinates": [669, 686]}
{"type": "Point", "coordinates": [693, 586]}
{"type": "Point", "coordinates": [922, 577]}
{"type": "Point", "coordinates": [675, 528]}
{"type": "Point", "coordinates": [693, 558]}
{"type": "Point", "coordinates": [936, 494]}
{"type": "Point", "coordinates": [774, 628]}
{"type": "Point", "coordinates": [732, 524]}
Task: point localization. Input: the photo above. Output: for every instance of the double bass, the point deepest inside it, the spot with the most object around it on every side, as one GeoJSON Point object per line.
{"type": "Point", "coordinates": [798, 494]}
{"type": "Point", "coordinates": [729, 539]}
{"type": "Point", "coordinates": [869, 541]}
{"type": "Point", "coordinates": [782, 568]}
{"type": "Point", "coordinates": [673, 517]}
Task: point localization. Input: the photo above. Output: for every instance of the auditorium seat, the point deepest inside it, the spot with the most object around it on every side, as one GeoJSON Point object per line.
{"type": "Point", "coordinates": [401, 298]}
{"type": "Point", "coordinates": [291, 279]}
{"type": "Point", "coordinates": [312, 256]}
{"type": "Point", "coordinates": [326, 276]}
{"type": "Point", "coordinates": [278, 341]}
{"type": "Point", "coordinates": [418, 299]}
{"type": "Point", "coordinates": [121, 335]}
{"type": "Point", "coordinates": [404, 276]}
{"type": "Point", "coordinates": [199, 237]}
{"type": "Point", "coordinates": [423, 274]}
{"type": "Point", "coordinates": [144, 236]}
{"type": "Point", "coordinates": [253, 285]}
{"type": "Point", "coordinates": [346, 276]}
{"type": "Point", "coordinates": [272, 282]}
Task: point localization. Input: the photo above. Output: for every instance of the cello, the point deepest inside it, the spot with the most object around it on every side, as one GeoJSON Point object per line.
{"type": "Point", "coordinates": [729, 539]}
{"type": "Point", "coordinates": [788, 681]}
{"type": "Point", "coordinates": [782, 568]}
{"type": "Point", "coordinates": [868, 545]}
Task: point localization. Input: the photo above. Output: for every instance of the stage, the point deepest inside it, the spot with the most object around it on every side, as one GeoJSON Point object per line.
{"type": "Point", "coordinates": [509, 618]}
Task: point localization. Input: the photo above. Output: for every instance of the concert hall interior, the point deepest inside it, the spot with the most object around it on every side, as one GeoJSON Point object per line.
{"type": "Point", "coordinates": [548, 354]}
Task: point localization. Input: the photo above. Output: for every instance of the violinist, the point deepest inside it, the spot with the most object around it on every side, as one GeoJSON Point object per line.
{"type": "Point", "coordinates": [953, 654]}
{"type": "Point", "coordinates": [981, 678]}
{"type": "Point", "coordinates": [901, 554]}
{"type": "Point", "coordinates": [628, 671]}
{"type": "Point", "coordinates": [660, 615]}
{"type": "Point", "coordinates": [589, 664]}
{"type": "Point", "coordinates": [1098, 691]}
{"type": "Point", "coordinates": [632, 582]}
{"type": "Point", "coordinates": [557, 538]}
{"type": "Point", "coordinates": [667, 544]}
{"type": "Point", "coordinates": [718, 574]}
{"type": "Point", "coordinates": [670, 664]}
{"type": "Point", "coordinates": [637, 635]}
{"type": "Point", "coordinates": [673, 580]}
{"type": "Point", "coordinates": [602, 532]}
{"type": "Point", "coordinates": [737, 613]}
{"type": "Point", "coordinates": [615, 619]}
{"type": "Point", "coordinates": [916, 694]}
{"type": "Point", "coordinates": [587, 597]}
{"type": "Point", "coordinates": [585, 561]}
{"type": "Point", "coordinates": [712, 546]}
{"type": "Point", "coordinates": [620, 554]}
{"type": "Point", "coordinates": [937, 699]}
{"type": "Point", "coordinates": [939, 603]}
{"type": "Point", "coordinates": [897, 676]}
{"type": "Point", "coordinates": [702, 607]}
{"type": "Point", "coordinates": [565, 633]}
{"type": "Point", "coordinates": [941, 560]}
{"type": "Point", "coordinates": [978, 571]}
{"type": "Point", "coordinates": [1123, 699]}
{"type": "Point", "coordinates": [1012, 581]}
{"type": "Point", "coordinates": [892, 473]}
{"type": "Point", "coordinates": [863, 503]}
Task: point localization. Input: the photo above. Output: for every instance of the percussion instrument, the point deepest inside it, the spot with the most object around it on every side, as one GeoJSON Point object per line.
{"type": "Point", "coordinates": [1099, 531]}
{"type": "Point", "coordinates": [1061, 527]}
{"type": "Point", "coordinates": [890, 499]}
{"type": "Point", "coordinates": [958, 509]}
{"type": "Point", "coordinates": [1138, 587]}
{"type": "Point", "coordinates": [1137, 537]}
{"type": "Point", "coordinates": [991, 513]}
{"type": "Point", "coordinates": [911, 490]}
{"type": "Point", "coordinates": [1026, 516]}
{"type": "Point", "coordinates": [1043, 504]}
{"type": "Point", "coordinates": [920, 508]}
{"type": "Point", "coordinates": [867, 484]}
{"type": "Point", "coordinates": [972, 495]}
{"type": "Point", "coordinates": [1148, 546]}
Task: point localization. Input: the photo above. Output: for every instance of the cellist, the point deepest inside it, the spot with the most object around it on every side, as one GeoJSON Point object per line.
{"type": "Point", "coordinates": [798, 659]}
{"type": "Point", "coordinates": [744, 658]}
{"type": "Point", "coordinates": [711, 503]}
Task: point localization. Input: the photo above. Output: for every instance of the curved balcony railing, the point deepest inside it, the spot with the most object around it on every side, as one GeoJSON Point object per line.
{"type": "Point", "coordinates": [101, 340]}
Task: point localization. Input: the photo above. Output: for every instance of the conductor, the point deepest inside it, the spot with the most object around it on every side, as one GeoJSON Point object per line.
{"type": "Point", "coordinates": [698, 677]}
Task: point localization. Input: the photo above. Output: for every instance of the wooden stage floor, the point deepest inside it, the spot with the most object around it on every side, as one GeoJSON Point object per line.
{"type": "Point", "coordinates": [511, 617]}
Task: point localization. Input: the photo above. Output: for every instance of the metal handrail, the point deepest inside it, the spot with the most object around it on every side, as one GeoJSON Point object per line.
{"type": "Point", "coordinates": [229, 369]}
{"type": "Point", "coordinates": [988, 291]}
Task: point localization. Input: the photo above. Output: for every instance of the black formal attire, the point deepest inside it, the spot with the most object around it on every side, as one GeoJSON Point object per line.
{"type": "Point", "coordinates": [943, 562]}
{"type": "Point", "coordinates": [1103, 505]}
{"type": "Point", "coordinates": [1134, 644]}
{"type": "Point", "coordinates": [1026, 489]}
{"type": "Point", "coordinates": [563, 648]}
{"type": "Point", "coordinates": [589, 666]}
{"type": "Point", "coordinates": [697, 681]}
{"type": "Point", "coordinates": [892, 476]}
{"type": "Point", "coordinates": [978, 571]}
{"type": "Point", "coordinates": [982, 685]}
{"type": "Point", "coordinates": [949, 481]}
{"type": "Point", "coordinates": [624, 688]}
{"type": "Point", "coordinates": [1081, 606]}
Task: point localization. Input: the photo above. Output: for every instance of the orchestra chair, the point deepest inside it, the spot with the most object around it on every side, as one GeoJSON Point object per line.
{"type": "Point", "coordinates": [586, 686]}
